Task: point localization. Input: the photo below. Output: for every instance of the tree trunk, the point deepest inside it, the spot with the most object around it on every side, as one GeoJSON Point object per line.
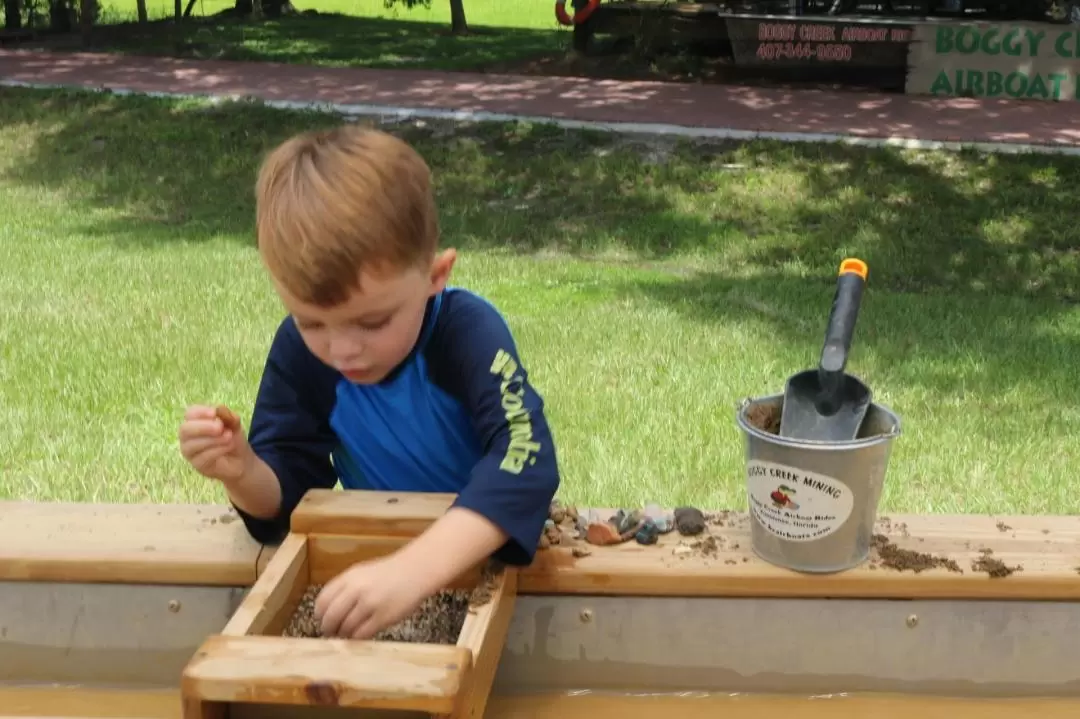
{"type": "Point", "coordinates": [140, 6]}
{"type": "Point", "coordinates": [266, 9]}
{"type": "Point", "coordinates": [12, 15]}
{"type": "Point", "coordinates": [59, 16]}
{"type": "Point", "coordinates": [87, 11]}
{"type": "Point", "coordinates": [458, 26]}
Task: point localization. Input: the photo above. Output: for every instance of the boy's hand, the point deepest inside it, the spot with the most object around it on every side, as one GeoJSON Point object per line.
{"type": "Point", "coordinates": [212, 441]}
{"type": "Point", "coordinates": [369, 597]}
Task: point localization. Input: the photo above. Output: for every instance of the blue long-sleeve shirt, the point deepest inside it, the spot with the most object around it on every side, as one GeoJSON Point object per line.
{"type": "Point", "coordinates": [457, 415]}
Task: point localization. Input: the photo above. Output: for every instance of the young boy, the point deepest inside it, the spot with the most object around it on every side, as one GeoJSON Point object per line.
{"type": "Point", "coordinates": [380, 377]}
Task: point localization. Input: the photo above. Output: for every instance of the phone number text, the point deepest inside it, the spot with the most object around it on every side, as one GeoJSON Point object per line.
{"type": "Point", "coordinates": [822, 52]}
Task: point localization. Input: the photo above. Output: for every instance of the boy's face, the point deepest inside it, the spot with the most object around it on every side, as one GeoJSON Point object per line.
{"type": "Point", "coordinates": [369, 334]}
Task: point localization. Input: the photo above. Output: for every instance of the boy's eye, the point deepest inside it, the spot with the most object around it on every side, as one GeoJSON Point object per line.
{"type": "Point", "coordinates": [309, 326]}
{"type": "Point", "coordinates": [373, 324]}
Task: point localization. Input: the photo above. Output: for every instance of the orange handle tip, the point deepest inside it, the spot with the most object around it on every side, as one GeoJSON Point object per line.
{"type": "Point", "coordinates": [854, 265]}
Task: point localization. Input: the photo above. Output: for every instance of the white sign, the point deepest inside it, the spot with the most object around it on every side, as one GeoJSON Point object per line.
{"type": "Point", "coordinates": [995, 60]}
{"type": "Point", "coordinates": [794, 504]}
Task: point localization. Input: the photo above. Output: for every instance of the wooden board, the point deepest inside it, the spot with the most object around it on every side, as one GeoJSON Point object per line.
{"type": "Point", "coordinates": [484, 635]}
{"type": "Point", "coordinates": [1008, 60]}
{"type": "Point", "coordinates": [138, 543]}
{"type": "Point", "coordinates": [383, 514]}
{"type": "Point", "coordinates": [328, 672]}
{"type": "Point", "coordinates": [332, 554]}
{"type": "Point", "coordinates": [277, 592]}
{"type": "Point", "coordinates": [1048, 548]}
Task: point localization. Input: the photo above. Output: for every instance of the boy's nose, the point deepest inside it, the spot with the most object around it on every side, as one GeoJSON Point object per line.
{"type": "Point", "coordinates": [345, 353]}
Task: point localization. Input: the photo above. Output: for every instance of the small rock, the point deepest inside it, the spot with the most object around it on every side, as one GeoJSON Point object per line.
{"type": "Point", "coordinates": [580, 552]}
{"type": "Point", "coordinates": [682, 550]}
{"type": "Point", "coordinates": [602, 533]}
{"type": "Point", "coordinates": [664, 521]}
{"type": "Point", "coordinates": [553, 534]}
{"type": "Point", "coordinates": [689, 521]}
{"type": "Point", "coordinates": [648, 533]}
{"type": "Point", "coordinates": [582, 527]}
{"type": "Point", "coordinates": [556, 513]}
{"type": "Point", "coordinates": [549, 524]}
{"type": "Point", "coordinates": [572, 513]}
{"type": "Point", "coordinates": [627, 521]}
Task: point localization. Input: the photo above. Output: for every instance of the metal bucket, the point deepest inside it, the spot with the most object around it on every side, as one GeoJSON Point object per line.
{"type": "Point", "coordinates": [813, 504]}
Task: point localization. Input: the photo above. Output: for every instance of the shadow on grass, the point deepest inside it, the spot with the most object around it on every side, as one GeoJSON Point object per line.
{"type": "Point", "coordinates": [978, 257]}
{"type": "Point", "coordinates": [970, 352]}
{"type": "Point", "coordinates": [927, 223]}
{"type": "Point", "coordinates": [974, 270]}
{"type": "Point", "coordinates": [335, 40]}
{"type": "Point", "coordinates": [184, 171]}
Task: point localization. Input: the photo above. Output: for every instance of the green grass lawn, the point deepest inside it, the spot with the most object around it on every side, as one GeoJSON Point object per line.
{"type": "Point", "coordinates": [651, 286]}
{"type": "Point", "coordinates": [361, 33]}
{"type": "Point", "coordinates": [537, 14]}
{"type": "Point", "coordinates": [340, 40]}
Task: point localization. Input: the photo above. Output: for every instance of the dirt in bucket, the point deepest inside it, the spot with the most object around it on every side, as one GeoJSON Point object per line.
{"type": "Point", "coordinates": [893, 557]}
{"type": "Point", "coordinates": [765, 417]}
{"type": "Point", "coordinates": [438, 620]}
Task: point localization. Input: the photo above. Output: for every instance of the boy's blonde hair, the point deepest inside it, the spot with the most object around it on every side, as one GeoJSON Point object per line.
{"type": "Point", "coordinates": [330, 203]}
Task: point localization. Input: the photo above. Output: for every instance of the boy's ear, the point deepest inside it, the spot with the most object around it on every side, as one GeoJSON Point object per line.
{"type": "Point", "coordinates": [440, 269]}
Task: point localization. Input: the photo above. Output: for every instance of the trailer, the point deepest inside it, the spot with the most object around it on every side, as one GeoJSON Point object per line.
{"type": "Point", "coordinates": [965, 55]}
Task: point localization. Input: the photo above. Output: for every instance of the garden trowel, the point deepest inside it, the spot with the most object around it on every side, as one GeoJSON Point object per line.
{"type": "Point", "coordinates": [827, 404]}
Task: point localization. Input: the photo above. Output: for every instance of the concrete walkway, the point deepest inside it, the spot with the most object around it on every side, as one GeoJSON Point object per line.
{"type": "Point", "coordinates": [711, 110]}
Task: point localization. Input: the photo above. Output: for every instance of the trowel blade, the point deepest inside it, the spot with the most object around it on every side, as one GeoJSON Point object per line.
{"type": "Point", "coordinates": [803, 416]}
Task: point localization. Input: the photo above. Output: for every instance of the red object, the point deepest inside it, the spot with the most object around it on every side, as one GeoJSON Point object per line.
{"type": "Point", "coordinates": [579, 17]}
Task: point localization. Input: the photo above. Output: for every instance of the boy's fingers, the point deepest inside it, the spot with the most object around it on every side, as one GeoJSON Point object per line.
{"type": "Point", "coordinates": [335, 615]}
{"type": "Point", "coordinates": [358, 617]}
{"type": "Point", "coordinates": [368, 629]}
{"type": "Point", "coordinates": [197, 446]}
{"type": "Point", "coordinates": [207, 457]}
{"type": "Point", "coordinates": [198, 428]}
{"type": "Point", "coordinates": [199, 411]}
{"type": "Point", "coordinates": [326, 597]}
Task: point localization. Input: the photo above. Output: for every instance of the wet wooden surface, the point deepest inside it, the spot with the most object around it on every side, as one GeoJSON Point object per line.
{"type": "Point", "coordinates": [1044, 551]}
{"type": "Point", "coordinates": [208, 545]}
{"type": "Point", "coordinates": [139, 543]}
{"type": "Point", "coordinates": [165, 704]}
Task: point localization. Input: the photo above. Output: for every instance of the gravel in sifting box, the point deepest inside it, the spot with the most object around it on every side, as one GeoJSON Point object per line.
{"type": "Point", "coordinates": [438, 620]}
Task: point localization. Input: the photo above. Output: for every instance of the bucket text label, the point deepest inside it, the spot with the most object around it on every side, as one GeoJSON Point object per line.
{"type": "Point", "coordinates": [794, 504]}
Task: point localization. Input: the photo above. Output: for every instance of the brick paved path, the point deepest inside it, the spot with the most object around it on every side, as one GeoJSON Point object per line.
{"type": "Point", "coordinates": [715, 106]}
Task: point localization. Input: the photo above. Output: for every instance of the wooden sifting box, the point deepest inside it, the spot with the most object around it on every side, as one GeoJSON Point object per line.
{"type": "Point", "coordinates": [251, 662]}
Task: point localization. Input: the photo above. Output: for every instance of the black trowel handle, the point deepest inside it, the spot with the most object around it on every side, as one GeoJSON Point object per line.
{"type": "Point", "coordinates": [842, 318]}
